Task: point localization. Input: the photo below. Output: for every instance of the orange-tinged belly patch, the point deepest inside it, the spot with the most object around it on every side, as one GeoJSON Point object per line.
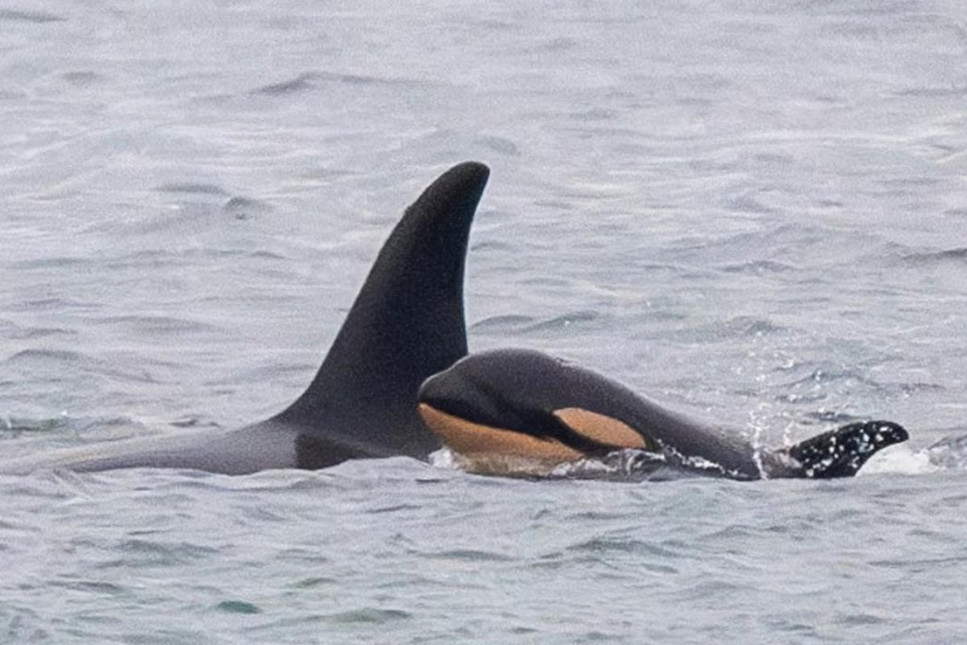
{"type": "Point", "coordinates": [476, 440]}
{"type": "Point", "coordinates": [602, 429]}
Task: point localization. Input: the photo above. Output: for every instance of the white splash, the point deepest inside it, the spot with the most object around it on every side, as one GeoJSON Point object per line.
{"type": "Point", "coordinates": [899, 460]}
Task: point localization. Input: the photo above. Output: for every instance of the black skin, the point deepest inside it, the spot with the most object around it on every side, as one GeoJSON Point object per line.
{"type": "Point", "coordinates": [406, 324]}
{"type": "Point", "coordinates": [516, 389]}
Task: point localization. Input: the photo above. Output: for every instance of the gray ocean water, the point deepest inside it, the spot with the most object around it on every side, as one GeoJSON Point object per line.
{"type": "Point", "coordinates": [755, 212]}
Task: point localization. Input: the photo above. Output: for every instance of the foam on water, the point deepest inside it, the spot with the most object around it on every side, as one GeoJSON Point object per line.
{"type": "Point", "coordinates": [901, 460]}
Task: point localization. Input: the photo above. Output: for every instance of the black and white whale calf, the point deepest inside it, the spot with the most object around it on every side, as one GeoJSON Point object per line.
{"type": "Point", "coordinates": [406, 324]}
{"type": "Point", "coordinates": [520, 412]}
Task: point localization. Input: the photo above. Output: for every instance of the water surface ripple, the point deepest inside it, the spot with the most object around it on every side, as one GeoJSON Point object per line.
{"type": "Point", "coordinates": [754, 212]}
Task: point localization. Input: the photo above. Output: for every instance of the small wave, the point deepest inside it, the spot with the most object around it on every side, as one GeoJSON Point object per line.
{"type": "Point", "coordinates": [933, 92]}
{"type": "Point", "coordinates": [759, 267]}
{"type": "Point", "coordinates": [267, 482]}
{"type": "Point", "coordinates": [316, 581]}
{"type": "Point", "coordinates": [54, 361]}
{"type": "Point", "coordinates": [499, 145]}
{"type": "Point", "coordinates": [98, 587]}
{"type": "Point", "coordinates": [246, 208]}
{"type": "Point", "coordinates": [138, 552]}
{"type": "Point", "coordinates": [490, 245]}
{"type": "Point", "coordinates": [501, 323]}
{"type": "Point", "coordinates": [608, 546]}
{"type": "Point", "coordinates": [163, 258]}
{"type": "Point", "coordinates": [528, 324]}
{"type": "Point", "coordinates": [237, 607]}
{"type": "Point", "coordinates": [34, 333]}
{"type": "Point", "coordinates": [837, 417]}
{"type": "Point", "coordinates": [35, 17]}
{"type": "Point", "coordinates": [82, 78]}
{"type": "Point", "coordinates": [298, 84]}
{"type": "Point", "coordinates": [16, 426]}
{"type": "Point", "coordinates": [749, 204]}
{"type": "Point", "coordinates": [16, 332]}
{"type": "Point", "coordinates": [593, 115]}
{"type": "Point", "coordinates": [192, 189]}
{"type": "Point", "coordinates": [950, 452]}
{"type": "Point", "coordinates": [47, 356]}
{"type": "Point", "coordinates": [829, 374]}
{"type": "Point", "coordinates": [54, 263]}
{"type": "Point", "coordinates": [193, 421]}
{"type": "Point", "coordinates": [156, 324]}
{"type": "Point", "coordinates": [472, 555]}
{"type": "Point", "coordinates": [370, 615]}
{"type": "Point", "coordinates": [739, 327]}
{"type": "Point", "coordinates": [818, 384]}
{"type": "Point", "coordinates": [561, 322]}
{"type": "Point", "coordinates": [930, 258]}
{"type": "Point", "coordinates": [308, 81]}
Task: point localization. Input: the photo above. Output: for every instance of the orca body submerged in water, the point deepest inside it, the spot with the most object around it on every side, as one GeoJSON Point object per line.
{"type": "Point", "coordinates": [521, 412]}
{"type": "Point", "coordinates": [406, 324]}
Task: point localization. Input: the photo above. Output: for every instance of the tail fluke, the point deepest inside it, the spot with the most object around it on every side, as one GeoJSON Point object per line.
{"type": "Point", "coordinates": [842, 452]}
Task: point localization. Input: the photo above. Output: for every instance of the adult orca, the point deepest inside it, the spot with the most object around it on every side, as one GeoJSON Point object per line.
{"type": "Point", "coordinates": [517, 411]}
{"type": "Point", "coordinates": [406, 324]}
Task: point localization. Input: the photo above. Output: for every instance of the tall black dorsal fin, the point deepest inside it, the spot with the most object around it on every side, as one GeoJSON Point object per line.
{"type": "Point", "coordinates": [842, 452]}
{"type": "Point", "coordinates": [406, 324]}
